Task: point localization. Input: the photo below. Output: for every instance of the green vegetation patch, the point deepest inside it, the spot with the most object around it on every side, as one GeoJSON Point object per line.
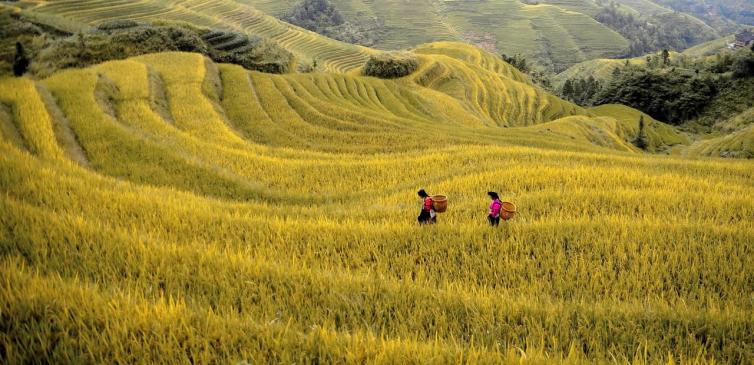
{"type": "Point", "coordinates": [659, 136]}
{"type": "Point", "coordinates": [325, 18]}
{"type": "Point", "coordinates": [391, 65]}
{"type": "Point", "coordinates": [51, 51]}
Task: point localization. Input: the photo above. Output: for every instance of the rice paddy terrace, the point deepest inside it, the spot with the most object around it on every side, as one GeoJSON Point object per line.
{"type": "Point", "coordinates": [167, 209]}
{"type": "Point", "coordinates": [560, 36]}
{"type": "Point", "coordinates": [558, 33]}
{"type": "Point", "coordinates": [331, 55]}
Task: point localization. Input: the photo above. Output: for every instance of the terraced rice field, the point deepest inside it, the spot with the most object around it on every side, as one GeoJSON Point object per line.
{"type": "Point", "coordinates": [331, 55]}
{"type": "Point", "coordinates": [165, 209]}
{"type": "Point", "coordinates": [558, 35]}
{"type": "Point", "coordinates": [558, 32]}
{"type": "Point", "coordinates": [601, 69]}
{"type": "Point", "coordinates": [644, 7]}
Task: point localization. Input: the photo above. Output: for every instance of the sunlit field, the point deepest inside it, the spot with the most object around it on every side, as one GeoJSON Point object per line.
{"type": "Point", "coordinates": [166, 209]}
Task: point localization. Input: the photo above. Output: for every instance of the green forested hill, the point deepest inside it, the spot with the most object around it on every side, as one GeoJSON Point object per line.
{"type": "Point", "coordinates": [707, 89]}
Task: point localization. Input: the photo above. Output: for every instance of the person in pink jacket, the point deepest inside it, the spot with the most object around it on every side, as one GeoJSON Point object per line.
{"type": "Point", "coordinates": [495, 208]}
{"type": "Point", "coordinates": [427, 214]}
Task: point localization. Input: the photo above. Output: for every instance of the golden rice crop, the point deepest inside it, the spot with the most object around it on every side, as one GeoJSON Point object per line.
{"type": "Point", "coordinates": [271, 219]}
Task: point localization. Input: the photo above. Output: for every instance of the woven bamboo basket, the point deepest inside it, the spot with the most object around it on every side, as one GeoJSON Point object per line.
{"type": "Point", "coordinates": [440, 203]}
{"type": "Point", "coordinates": [508, 211]}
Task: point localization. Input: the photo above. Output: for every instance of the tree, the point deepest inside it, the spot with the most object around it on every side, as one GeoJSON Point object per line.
{"type": "Point", "coordinates": [578, 90]}
{"type": "Point", "coordinates": [665, 57]}
{"type": "Point", "coordinates": [568, 90]}
{"type": "Point", "coordinates": [616, 71]}
{"type": "Point", "coordinates": [20, 61]}
{"type": "Point", "coordinates": [322, 17]}
{"type": "Point", "coordinates": [518, 61]}
{"type": "Point", "coordinates": [315, 15]}
{"type": "Point", "coordinates": [83, 54]}
{"type": "Point", "coordinates": [672, 97]}
{"type": "Point", "coordinates": [743, 66]}
{"type": "Point", "coordinates": [641, 136]}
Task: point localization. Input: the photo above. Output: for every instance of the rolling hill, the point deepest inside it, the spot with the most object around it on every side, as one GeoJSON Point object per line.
{"type": "Point", "coordinates": [331, 55]}
{"type": "Point", "coordinates": [723, 14]}
{"type": "Point", "coordinates": [723, 127]}
{"type": "Point", "coordinates": [602, 68]}
{"type": "Point", "coordinates": [561, 37]}
{"type": "Point", "coordinates": [556, 33]}
{"type": "Point", "coordinates": [169, 209]}
{"type": "Point", "coordinates": [188, 211]}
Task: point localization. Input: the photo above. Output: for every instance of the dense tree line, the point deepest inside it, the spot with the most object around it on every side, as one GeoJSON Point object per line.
{"type": "Point", "coordinates": [666, 95]}
{"type": "Point", "coordinates": [538, 74]}
{"type": "Point", "coordinates": [391, 65]}
{"type": "Point", "coordinates": [650, 34]}
{"type": "Point", "coordinates": [671, 91]}
{"type": "Point", "coordinates": [581, 91]}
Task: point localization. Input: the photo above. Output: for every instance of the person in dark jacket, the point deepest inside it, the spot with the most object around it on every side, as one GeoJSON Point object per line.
{"type": "Point", "coordinates": [427, 214]}
{"type": "Point", "coordinates": [495, 209]}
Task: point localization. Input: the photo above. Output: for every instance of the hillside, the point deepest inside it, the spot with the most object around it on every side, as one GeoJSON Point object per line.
{"type": "Point", "coordinates": [709, 48]}
{"type": "Point", "coordinates": [555, 33]}
{"type": "Point", "coordinates": [329, 54]}
{"type": "Point", "coordinates": [602, 68]}
{"type": "Point", "coordinates": [713, 87]}
{"type": "Point", "coordinates": [719, 13]}
{"type": "Point", "coordinates": [536, 26]}
{"type": "Point", "coordinates": [49, 49]}
{"type": "Point", "coordinates": [168, 209]}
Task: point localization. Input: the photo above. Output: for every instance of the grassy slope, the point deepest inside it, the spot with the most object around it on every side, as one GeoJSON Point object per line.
{"type": "Point", "coordinates": [644, 7]}
{"type": "Point", "coordinates": [728, 122]}
{"type": "Point", "coordinates": [709, 48]}
{"type": "Point", "coordinates": [651, 8]}
{"type": "Point", "coordinates": [331, 55]}
{"type": "Point", "coordinates": [729, 115]}
{"type": "Point", "coordinates": [556, 33]}
{"type": "Point", "coordinates": [166, 209]}
{"type": "Point", "coordinates": [659, 135]}
{"type": "Point", "coordinates": [251, 219]}
{"type": "Point", "coordinates": [560, 32]}
{"type": "Point", "coordinates": [601, 69]}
